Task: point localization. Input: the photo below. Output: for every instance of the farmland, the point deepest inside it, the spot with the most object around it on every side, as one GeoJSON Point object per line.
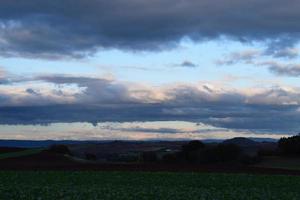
{"type": "Point", "coordinates": [19, 153]}
{"type": "Point", "coordinates": [145, 185]}
{"type": "Point", "coordinates": [291, 163]}
{"type": "Point", "coordinates": [54, 173]}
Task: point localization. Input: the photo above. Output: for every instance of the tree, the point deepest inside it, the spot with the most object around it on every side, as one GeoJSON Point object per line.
{"type": "Point", "coordinates": [193, 145]}
{"type": "Point", "coordinates": [191, 150]}
{"type": "Point", "coordinates": [290, 146]}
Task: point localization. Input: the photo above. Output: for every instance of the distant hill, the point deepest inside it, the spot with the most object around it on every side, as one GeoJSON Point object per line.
{"type": "Point", "coordinates": [46, 143]}
{"type": "Point", "coordinates": [241, 141]}
{"type": "Point", "coordinates": [38, 143]}
{"type": "Point", "coordinates": [263, 139]}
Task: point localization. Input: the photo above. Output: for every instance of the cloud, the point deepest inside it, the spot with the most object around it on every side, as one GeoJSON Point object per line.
{"type": "Point", "coordinates": [236, 57]}
{"type": "Point", "coordinates": [283, 69]}
{"type": "Point", "coordinates": [283, 48]}
{"type": "Point", "coordinates": [32, 91]}
{"type": "Point", "coordinates": [283, 52]}
{"type": "Point", "coordinates": [100, 100]}
{"type": "Point", "coordinates": [149, 130]}
{"type": "Point", "coordinates": [77, 28]}
{"type": "Point", "coordinates": [257, 58]}
{"type": "Point", "coordinates": [133, 127]}
{"type": "Point", "coordinates": [187, 64]}
{"type": "Point", "coordinates": [3, 77]}
{"type": "Point", "coordinates": [95, 90]}
{"type": "Point", "coordinates": [2, 73]}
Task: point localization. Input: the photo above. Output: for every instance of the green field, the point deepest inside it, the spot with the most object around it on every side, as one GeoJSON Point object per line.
{"type": "Point", "coordinates": [20, 153]}
{"type": "Point", "coordinates": [141, 185]}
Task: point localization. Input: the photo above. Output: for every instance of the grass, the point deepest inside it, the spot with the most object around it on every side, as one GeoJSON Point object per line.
{"type": "Point", "coordinates": [143, 185]}
{"type": "Point", "coordinates": [20, 153]}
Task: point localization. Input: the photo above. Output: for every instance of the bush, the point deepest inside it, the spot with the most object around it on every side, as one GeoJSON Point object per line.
{"type": "Point", "coordinates": [290, 146]}
{"type": "Point", "coordinates": [60, 149]}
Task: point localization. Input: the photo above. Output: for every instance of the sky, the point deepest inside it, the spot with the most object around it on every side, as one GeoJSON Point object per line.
{"type": "Point", "coordinates": [137, 69]}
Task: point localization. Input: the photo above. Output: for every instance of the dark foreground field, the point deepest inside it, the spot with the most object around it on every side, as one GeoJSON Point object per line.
{"type": "Point", "coordinates": [40, 160]}
{"type": "Point", "coordinates": [41, 174]}
{"type": "Point", "coordinates": [145, 185]}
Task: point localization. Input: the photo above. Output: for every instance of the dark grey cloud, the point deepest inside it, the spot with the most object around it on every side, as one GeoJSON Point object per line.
{"type": "Point", "coordinates": [162, 130]}
{"type": "Point", "coordinates": [101, 100]}
{"type": "Point", "coordinates": [32, 91]}
{"type": "Point", "coordinates": [243, 117]}
{"type": "Point", "coordinates": [5, 99]}
{"type": "Point", "coordinates": [252, 57]}
{"type": "Point", "coordinates": [76, 28]}
{"type": "Point", "coordinates": [187, 64]}
{"type": "Point", "coordinates": [283, 48]}
{"type": "Point", "coordinates": [283, 69]}
{"type": "Point", "coordinates": [148, 130]}
{"type": "Point", "coordinates": [96, 90]}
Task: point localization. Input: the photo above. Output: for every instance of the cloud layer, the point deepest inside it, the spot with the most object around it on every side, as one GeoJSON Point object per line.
{"type": "Point", "coordinates": [76, 28]}
{"type": "Point", "coordinates": [84, 99]}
